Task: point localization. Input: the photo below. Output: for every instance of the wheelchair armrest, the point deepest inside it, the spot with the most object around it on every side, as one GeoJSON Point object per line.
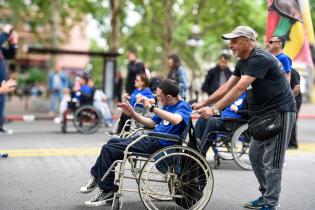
{"type": "Point", "coordinates": [235, 120]}
{"type": "Point", "coordinates": [169, 137]}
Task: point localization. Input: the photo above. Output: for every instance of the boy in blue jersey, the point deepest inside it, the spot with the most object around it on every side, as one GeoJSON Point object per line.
{"type": "Point", "coordinates": [172, 118]}
{"type": "Point", "coordinates": [204, 126]}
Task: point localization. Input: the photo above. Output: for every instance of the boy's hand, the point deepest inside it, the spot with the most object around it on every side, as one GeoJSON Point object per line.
{"type": "Point", "coordinates": [126, 108]}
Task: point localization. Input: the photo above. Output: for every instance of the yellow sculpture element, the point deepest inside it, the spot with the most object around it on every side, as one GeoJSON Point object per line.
{"type": "Point", "coordinates": [294, 46]}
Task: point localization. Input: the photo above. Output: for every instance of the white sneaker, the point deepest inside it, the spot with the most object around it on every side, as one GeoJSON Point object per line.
{"type": "Point", "coordinates": [5, 130]}
{"type": "Point", "coordinates": [90, 186]}
{"type": "Point", "coordinates": [108, 124]}
{"type": "Point", "coordinates": [57, 120]}
{"type": "Point", "coordinates": [101, 199]}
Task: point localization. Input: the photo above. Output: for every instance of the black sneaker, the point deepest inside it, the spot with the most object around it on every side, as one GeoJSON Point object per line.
{"type": "Point", "coordinates": [101, 199]}
{"type": "Point", "coordinates": [4, 155]}
{"type": "Point", "coordinates": [90, 186]}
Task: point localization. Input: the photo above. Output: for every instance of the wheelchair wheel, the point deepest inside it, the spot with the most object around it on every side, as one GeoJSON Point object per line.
{"type": "Point", "coordinates": [178, 176]}
{"type": "Point", "coordinates": [221, 145]}
{"type": "Point", "coordinates": [240, 147]}
{"type": "Point", "coordinates": [87, 119]}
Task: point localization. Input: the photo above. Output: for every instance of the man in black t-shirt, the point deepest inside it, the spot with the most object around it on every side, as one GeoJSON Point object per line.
{"type": "Point", "coordinates": [269, 90]}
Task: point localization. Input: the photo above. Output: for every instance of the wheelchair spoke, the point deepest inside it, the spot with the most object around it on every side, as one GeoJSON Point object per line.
{"type": "Point", "coordinates": [185, 184]}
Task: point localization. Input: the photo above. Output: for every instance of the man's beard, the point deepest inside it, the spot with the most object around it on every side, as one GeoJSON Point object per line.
{"type": "Point", "coordinates": [235, 53]}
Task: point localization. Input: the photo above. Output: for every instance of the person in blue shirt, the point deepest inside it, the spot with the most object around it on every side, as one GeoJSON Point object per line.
{"type": "Point", "coordinates": [87, 91]}
{"type": "Point", "coordinates": [204, 126]}
{"type": "Point", "coordinates": [172, 118]}
{"type": "Point", "coordinates": [142, 89]}
{"type": "Point", "coordinates": [275, 46]}
{"type": "Point", "coordinates": [57, 83]}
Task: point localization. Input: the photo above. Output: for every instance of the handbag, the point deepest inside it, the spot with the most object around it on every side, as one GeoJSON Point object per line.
{"type": "Point", "coordinates": [265, 126]}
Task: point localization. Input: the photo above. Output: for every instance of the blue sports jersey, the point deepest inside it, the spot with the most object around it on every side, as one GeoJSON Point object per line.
{"type": "Point", "coordinates": [285, 61]}
{"type": "Point", "coordinates": [86, 92]}
{"type": "Point", "coordinates": [144, 92]}
{"type": "Point", "coordinates": [183, 109]}
{"type": "Point", "coordinates": [228, 113]}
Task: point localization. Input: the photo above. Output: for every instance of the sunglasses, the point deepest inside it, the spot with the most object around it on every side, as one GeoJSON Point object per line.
{"type": "Point", "coordinates": [270, 42]}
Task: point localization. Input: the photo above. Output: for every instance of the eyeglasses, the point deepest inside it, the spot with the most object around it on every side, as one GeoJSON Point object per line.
{"type": "Point", "coordinates": [272, 41]}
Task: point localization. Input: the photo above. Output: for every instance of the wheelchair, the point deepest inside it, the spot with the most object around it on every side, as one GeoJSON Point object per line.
{"type": "Point", "coordinates": [174, 177]}
{"type": "Point", "coordinates": [131, 125]}
{"type": "Point", "coordinates": [230, 143]}
{"type": "Point", "coordinates": [86, 118]}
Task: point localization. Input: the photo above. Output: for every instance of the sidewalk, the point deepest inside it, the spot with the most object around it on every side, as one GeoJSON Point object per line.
{"type": "Point", "coordinates": [38, 109]}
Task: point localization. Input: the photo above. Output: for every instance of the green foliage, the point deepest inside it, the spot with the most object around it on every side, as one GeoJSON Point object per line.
{"type": "Point", "coordinates": [97, 63]}
{"type": "Point", "coordinates": [214, 17]}
{"type": "Point", "coordinates": [33, 76]}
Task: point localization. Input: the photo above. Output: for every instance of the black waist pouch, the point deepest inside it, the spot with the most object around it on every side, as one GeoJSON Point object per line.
{"type": "Point", "coordinates": [265, 126]}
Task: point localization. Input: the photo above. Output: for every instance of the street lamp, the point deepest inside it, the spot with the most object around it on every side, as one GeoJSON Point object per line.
{"type": "Point", "coordinates": [194, 41]}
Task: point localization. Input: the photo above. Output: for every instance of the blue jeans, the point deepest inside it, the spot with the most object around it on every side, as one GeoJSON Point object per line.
{"type": "Point", "coordinates": [203, 127]}
{"type": "Point", "coordinates": [3, 98]}
{"type": "Point", "coordinates": [55, 98]}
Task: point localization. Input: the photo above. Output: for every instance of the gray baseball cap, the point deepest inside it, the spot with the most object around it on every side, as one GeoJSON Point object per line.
{"type": "Point", "coordinates": [241, 31]}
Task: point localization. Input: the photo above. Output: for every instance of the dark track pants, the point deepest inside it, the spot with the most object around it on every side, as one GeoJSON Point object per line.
{"type": "Point", "coordinates": [113, 151]}
{"type": "Point", "coordinates": [267, 159]}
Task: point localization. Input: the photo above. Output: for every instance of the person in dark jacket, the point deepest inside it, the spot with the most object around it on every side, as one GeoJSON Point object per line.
{"type": "Point", "coordinates": [10, 36]}
{"type": "Point", "coordinates": [134, 67]}
{"type": "Point", "coordinates": [295, 86]}
{"type": "Point", "coordinates": [217, 76]}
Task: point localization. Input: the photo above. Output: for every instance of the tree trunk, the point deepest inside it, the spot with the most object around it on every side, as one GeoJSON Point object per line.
{"type": "Point", "coordinates": [114, 38]}
{"type": "Point", "coordinates": [167, 34]}
{"type": "Point", "coordinates": [54, 21]}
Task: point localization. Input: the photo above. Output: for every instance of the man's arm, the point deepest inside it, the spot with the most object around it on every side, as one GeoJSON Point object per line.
{"type": "Point", "coordinates": [296, 90]}
{"type": "Point", "coordinates": [217, 95]}
{"type": "Point", "coordinates": [235, 92]}
{"type": "Point", "coordinates": [288, 76]}
{"type": "Point", "coordinates": [231, 96]}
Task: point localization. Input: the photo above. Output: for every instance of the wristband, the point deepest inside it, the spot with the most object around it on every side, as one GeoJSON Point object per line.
{"type": "Point", "coordinates": [152, 108]}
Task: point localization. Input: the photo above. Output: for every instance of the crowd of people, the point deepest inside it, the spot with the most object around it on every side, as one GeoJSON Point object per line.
{"type": "Point", "coordinates": [262, 82]}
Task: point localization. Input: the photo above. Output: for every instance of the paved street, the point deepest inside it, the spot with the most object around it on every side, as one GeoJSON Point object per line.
{"type": "Point", "coordinates": [46, 169]}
